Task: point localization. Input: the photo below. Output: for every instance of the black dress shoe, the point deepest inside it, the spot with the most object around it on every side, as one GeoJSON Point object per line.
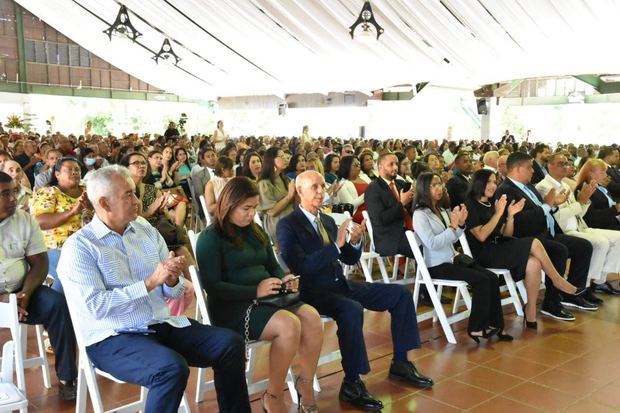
{"type": "Point", "coordinates": [68, 390]}
{"type": "Point", "coordinates": [558, 312]}
{"type": "Point", "coordinates": [405, 371]}
{"type": "Point", "coordinates": [579, 303]}
{"type": "Point", "coordinates": [606, 288]}
{"type": "Point", "coordinates": [355, 392]}
{"type": "Point", "coordinates": [591, 297]}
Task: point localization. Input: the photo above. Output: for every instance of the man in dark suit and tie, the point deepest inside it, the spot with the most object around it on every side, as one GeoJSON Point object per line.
{"type": "Point", "coordinates": [387, 204]}
{"type": "Point", "coordinates": [540, 153]}
{"type": "Point", "coordinates": [311, 245]}
{"type": "Point", "coordinates": [536, 220]}
{"type": "Point", "coordinates": [459, 182]}
{"type": "Point", "coordinates": [388, 208]}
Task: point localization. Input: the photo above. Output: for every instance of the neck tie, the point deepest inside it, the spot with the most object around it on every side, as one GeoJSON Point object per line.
{"type": "Point", "coordinates": [322, 230]}
{"type": "Point", "coordinates": [548, 216]}
{"type": "Point", "coordinates": [408, 219]}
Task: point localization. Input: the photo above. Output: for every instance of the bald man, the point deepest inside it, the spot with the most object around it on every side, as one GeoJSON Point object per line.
{"type": "Point", "coordinates": [312, 246]}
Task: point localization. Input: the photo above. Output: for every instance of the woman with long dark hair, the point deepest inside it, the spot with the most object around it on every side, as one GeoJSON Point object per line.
{"type": "Point", "coordinates": [489, 233]}
{"type": "Point", "coordinates": [331, 165]}
{"type": "Point", "coordinates": [277, 191]}
{"type": "Point", "coordinates": [352, 186]}
{"type": "Point", "coordinates": [439, 228]}
{"type": "Point", "coordinates": [367, 165]}
{"type": "Point", "coordinates": [296, 166]}
{"type": "Point", "coordinates": [252, 165]}
{"type": "Point", "coordinates": [237, 265]}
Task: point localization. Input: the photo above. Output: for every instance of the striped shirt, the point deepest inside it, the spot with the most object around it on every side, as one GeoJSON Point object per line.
{"type": "Point", "coordinates": [105, 272]}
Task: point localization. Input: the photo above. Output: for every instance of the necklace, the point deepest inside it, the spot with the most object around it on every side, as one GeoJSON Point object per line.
{"type": "Point", "coordinates": [486, 204]}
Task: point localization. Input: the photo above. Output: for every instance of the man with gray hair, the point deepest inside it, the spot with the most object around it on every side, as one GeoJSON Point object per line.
{"type": "Point", "coordinates": [490, 160]}
{"type": "Point", "coordinates": [117, 273]}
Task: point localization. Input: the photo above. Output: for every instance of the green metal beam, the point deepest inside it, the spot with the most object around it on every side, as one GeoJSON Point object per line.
{"type": "Point", "coordinates": [21, 48]}
{"type": "Point", "coordinates": [592, 80]}
{"type": "Point", "coordinates": [13, 87]}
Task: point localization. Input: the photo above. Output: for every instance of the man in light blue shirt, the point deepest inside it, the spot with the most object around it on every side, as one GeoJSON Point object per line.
{"type": "Point", "coordinates": [118, 271]}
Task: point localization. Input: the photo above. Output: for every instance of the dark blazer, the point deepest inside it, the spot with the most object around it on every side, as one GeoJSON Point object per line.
{"type": "Point", "coordinates": [614, 185]}
{"type": "Point", "coordinates": [386, 216]}
{"type": "Point", "coordinates": [539, 174]}
{"type": "Point", "coordinates": [531, 221]}
{"type": "Point", "coordinates": [600, 215]}
{"type": "Point", "coordinates": [303, 251]}
{"type": "Point", "coordinates": [457, 189]}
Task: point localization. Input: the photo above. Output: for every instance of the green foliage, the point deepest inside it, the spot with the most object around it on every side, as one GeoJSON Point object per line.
{"type": "Point", "coordinates": [100, 122]}
{"type": "Point", "coordinates": [14, 122]}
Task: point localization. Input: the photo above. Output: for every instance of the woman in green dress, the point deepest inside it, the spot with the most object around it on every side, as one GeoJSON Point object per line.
{"type": "Point", "coordinates": [237, 265]}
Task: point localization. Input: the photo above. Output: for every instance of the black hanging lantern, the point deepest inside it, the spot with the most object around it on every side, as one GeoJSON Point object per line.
{"type": "Point", "coordinates": [365, 19]}
{"type": "Point", "coordinates": [166, 53]}
{"type": "Point", "coordinates": [122, 26]}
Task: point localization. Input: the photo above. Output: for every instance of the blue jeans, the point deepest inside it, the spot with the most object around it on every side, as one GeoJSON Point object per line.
{"type": "Point", "coordinates": [49, 308]}
{"type": "Point", "coordinates": [160, 363]}
{"type": "Point", "coordinates": [53, 256]}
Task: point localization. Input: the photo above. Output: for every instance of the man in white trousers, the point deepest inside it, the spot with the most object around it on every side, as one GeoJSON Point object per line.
{"type": "Point", "coordinates": [605, 243]}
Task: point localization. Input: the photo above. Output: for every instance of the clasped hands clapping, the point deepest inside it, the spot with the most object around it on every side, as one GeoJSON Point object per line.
{"type": "Point", "coordinates": [167, 271]}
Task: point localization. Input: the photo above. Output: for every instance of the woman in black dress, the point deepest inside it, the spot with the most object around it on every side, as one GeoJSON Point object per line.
{"type": "Point", "coordinates": [490, 228]}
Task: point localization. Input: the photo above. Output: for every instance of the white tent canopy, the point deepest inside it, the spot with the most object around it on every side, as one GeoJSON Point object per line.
{"type": "Point", "coordinates": [251, 47]}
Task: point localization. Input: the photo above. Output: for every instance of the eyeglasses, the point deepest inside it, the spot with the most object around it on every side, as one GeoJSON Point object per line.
{"type": "Point", "coordinates": [138, 163]}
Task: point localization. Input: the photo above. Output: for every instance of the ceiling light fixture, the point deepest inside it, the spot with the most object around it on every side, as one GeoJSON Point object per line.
{"type": "Point", "coordinates": [122, 26]}
{"type": "Point", "coordinates": [366, 19]}
{"type": "Point", "coordinates": [166, 53]}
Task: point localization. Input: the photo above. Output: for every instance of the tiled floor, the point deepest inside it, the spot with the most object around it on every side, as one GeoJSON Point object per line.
{"type": "Point", "coordinates": [565, 367]}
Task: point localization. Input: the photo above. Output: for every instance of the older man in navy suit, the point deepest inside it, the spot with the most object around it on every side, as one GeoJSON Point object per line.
{"type": "Point", "coordinates": [311, 245]}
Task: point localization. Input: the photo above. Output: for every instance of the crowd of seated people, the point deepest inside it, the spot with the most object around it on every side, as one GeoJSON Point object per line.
{"type": "Point", "coordinates": [107, 215]}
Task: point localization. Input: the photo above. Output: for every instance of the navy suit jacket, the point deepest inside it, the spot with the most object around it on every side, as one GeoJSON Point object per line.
{"type": "Point", "coordinates": [538, 175]}
{"type": "Point", "coordinates": [531, 221]}
{"type": "Point", "coordinates": [303, 251]}
{"type": "Point", "coordinates": [600, 215]}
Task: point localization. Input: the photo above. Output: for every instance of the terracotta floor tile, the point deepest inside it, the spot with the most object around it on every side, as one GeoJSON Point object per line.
{"type": "Point", "coordinates": [540, 397]}
{"type": "Point", "coordinates": [419, 403]}
{"type": "Point", "coordinates": [543, 355]}
{"type": "Point", "coordinates": [516, 366]}
{"type": "Point", "coordinates": [440, 365]}
{"type": "Point", "coordinates": [589, 406]}
{"type": "Point", "coordinates": [502, 404]}
{"type": "Point", "coordinates": [608, 396]}
{"type": "Point", "coordinates": [574, 384]}
{"type": "Point", "coordinates": [455, 393]}
{"type": "Point", "coordinates": [488, 379]}
{"type": "Point", "coordinates": [593, 367]}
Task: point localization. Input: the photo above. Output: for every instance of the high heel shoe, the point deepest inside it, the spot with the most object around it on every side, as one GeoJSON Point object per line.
{"type": "Point", "coordinates": [530, 324]}
{"type": "Point", "coordinates": [262, 399]}
{"type": "Point", "coordinates": [578, 290]}
{"type": "Point", "coordinates": [304, 408]}
{"type": "Point", "coordinates": [504, 337]}
{"type": "Point", "coordinates": [476, 338]}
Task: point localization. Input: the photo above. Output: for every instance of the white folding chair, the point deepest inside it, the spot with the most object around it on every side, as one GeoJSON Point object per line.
{"type": "Point", "coordinates": [203, 204]}
{"type": "Point", "coordinates": [87, 373]}
{"type": "Point", "coordinates": [12, 356]}
{"type": "Point", "coordinates": [424, 277]}
{"type": "Point", "coordinates": [12, 398]}
{"type": "Point", "coordinates": [367, 260]}
{"type": "Point", "coordinates": [510, 284]}
{"type": "Point", "coordinates": [41, 359]}
{"type": "Point", "coordinates": [258, 221]}
{"type": "Point", "coordinates": [254, 386]}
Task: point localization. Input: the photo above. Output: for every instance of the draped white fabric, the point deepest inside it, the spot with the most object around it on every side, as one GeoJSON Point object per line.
{"type": "Point", "coordinates": [294, 46]}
